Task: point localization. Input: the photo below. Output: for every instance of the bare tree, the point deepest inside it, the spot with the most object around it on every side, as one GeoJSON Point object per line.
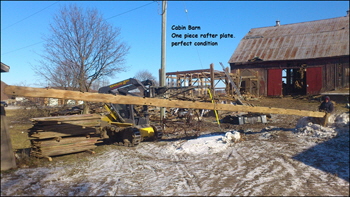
{"type": "Point", "coordinates": [99, 83]}
{"type": "Point", "coordinates": [81, 49]}
{"type": "Point", "coordinates": [144, 75]}
{"type": "Point", "coordinates": [63, 77]}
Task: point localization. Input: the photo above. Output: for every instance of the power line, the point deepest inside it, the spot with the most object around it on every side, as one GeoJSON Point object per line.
{"type": "Point", "coordinates": [22, 48]}
{"type": "Point", "coordinates": [163, 11]}
{"type": "Point", "coordinates": [23, 20]}
{"type": "Point", "coordinates": [130, 10]}
{"type": "Point", "coordinates": [188, 20]}
{"type": "Point", "coordinates": [52, 5]}
{"type": "Point", "coordinates": [29, 16]}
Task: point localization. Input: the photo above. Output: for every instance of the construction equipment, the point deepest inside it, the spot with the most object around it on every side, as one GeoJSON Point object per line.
{"type": "Point", "coordinates": [125, 124]}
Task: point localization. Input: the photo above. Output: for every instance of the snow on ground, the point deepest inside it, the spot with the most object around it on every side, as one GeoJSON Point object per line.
{"type": "Point", "coordinates": [205, 144]}
{"type": "Point", "coordinates": [338, 123]}
{"type": "Point", "coordinates": [207, 165]}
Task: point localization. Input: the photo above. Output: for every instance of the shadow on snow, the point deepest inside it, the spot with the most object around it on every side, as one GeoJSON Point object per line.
{"type": "Point", "coordinates": [331, 156]}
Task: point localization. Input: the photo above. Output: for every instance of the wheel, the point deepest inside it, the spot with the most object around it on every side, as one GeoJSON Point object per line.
{"type": "Point", "coordinates": [158, 132]}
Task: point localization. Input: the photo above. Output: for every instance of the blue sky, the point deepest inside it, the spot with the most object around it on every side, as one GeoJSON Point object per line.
{"type": "Point", "coordinates": [23, 24]}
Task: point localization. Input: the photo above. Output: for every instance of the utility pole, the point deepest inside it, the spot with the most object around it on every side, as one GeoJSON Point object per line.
{"type": "Point", "coordinates": [163, 53]}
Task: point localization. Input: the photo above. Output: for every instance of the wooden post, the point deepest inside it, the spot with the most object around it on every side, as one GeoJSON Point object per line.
{"type": "Point", "coordinates": [186, 82]}
{"type": "Point", "coordinates": [289, 85]}
{"type": "Point", "coordinates": [178, 81]}
{"type": "Point", "coordinates": [198, 92]}
{"type": "Point", "coordinates": [46, 101]}
{"type": "Point", "coordinates": [212, 79]}
{"type": "Point", "coordinates": [202, 89]}
{"type": "Point", "coordinates": [229, 88]}
{"type": "Point", "coordinates": [239, 77]}
{"type": "Point", "coordinates": [190, 84]}
{"type": "Point", "coordinates": [7, 155]}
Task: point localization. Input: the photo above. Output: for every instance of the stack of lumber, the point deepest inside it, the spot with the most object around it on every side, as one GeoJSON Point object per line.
{"type": "Point", "coordinates": [51, 136]}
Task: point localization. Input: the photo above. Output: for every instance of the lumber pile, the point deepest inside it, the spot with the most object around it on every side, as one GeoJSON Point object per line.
{"type": "Point", "coordinates": [58, 135]}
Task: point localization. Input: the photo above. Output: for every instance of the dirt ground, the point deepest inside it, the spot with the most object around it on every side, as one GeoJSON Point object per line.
{"type": "Point", "coordinates": [279, 158]}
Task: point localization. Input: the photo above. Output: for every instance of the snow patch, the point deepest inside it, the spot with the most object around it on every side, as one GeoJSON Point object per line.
{"type": "Point", "coordinates": [305, 127]}
{"type": "Point", "coordinates": [230, 137]}
{"type": "Point", "coordinates": [339, 120]}
{"type": "Point", "coordinates": [317, 131]}
{"type": "Point", "coordinates": [207, 144]}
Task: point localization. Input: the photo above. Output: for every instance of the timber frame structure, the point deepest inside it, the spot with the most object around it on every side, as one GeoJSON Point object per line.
{"type": "Point", "coordinates": [201, 80]}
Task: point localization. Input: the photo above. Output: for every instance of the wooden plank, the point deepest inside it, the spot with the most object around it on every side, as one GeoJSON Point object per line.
{"type": "Point", "coordinates": [72, 149]}
{"type": "Point", "coordinates": [51, 144]}
{"type": "Point", "coordinates": [63, 147]}
{"type": "Point", "coordinates": [46, 125]}
{"type": "Point", "coordinates": [69, 140]}
{"type": "Point", "coordinates": [68, 118]}
{"type": "Point", "coordinates": [63, 133]}
{"type": "Point", "coordinates": [8, 160]}
{"type": "Point", "coordinates": [62, 127]}
{"type": "Point", "coordinates": [68, 146]}
{"type": "Point", "coordinates": [83, 122]}
{"type": "Point", "coordinates": [109, 98]}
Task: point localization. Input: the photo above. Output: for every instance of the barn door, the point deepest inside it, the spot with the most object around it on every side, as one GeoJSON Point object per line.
{"type": "Point", "coordinates": [314, 80]}
{"type": "Point", "coordinates": [274, 82]}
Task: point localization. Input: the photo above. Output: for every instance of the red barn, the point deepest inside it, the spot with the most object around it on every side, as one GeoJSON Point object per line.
{"type": "Point", "coordinates": [294, 59]}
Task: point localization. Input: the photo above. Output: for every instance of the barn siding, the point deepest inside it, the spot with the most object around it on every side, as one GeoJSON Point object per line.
{"type": "Point", "coordinates": [314, 80]}
{"type": "Point", "coordinates": [274, 82]}
{"type": "Point", "coordinates": [335, 71]}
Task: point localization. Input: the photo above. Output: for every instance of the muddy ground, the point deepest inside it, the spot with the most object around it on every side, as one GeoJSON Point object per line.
{"type": "Point", "coordinates": [278, 158]}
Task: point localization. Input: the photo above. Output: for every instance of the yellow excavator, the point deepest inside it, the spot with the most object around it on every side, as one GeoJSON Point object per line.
{"type": "Point", "coordinates": [126, 124]}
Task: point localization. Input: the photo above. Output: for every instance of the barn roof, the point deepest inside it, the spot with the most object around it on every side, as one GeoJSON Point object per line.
{"type": "Point", "coordinates": [306, 40]}
{"type": "Point", "coordinates": [4, 67]}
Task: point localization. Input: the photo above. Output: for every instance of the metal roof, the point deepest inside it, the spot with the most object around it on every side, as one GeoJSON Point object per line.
{"type": "Point", "coordinates": [4, 67]}
{"type": "Point", "coordinates": [306, 40]}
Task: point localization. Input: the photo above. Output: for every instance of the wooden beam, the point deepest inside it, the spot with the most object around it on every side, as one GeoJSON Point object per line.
{"type": "Point", "coordinates": [212, 79]}
{"type": "Point", "coordinates": [8, 160]}
{"type": "Point", "coordinates": [83, 117]}
{"type": "Point", "coordinates": [109, 98]}
{"type": "Point", "coordinates": [188, 71]}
